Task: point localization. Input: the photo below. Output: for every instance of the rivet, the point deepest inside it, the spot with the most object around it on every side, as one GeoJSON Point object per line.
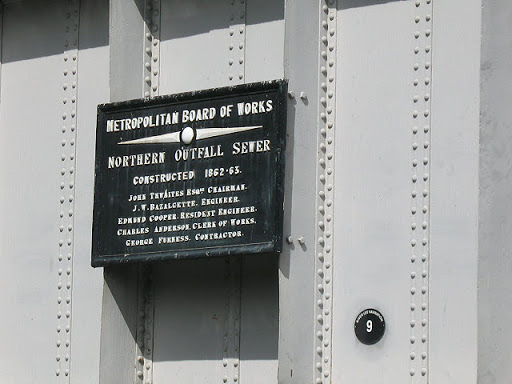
{"type": "Point", "coordinates": [412, 372]}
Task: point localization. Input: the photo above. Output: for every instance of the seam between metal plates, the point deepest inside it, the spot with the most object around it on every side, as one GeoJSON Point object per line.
{"type": "Point", "coordinates": [67, 189]}
{"type": "Point", "coordinates": [237, 40]}
{"type": "Point", "coordinates": [325, 183]}
{"type": "Point", "coordinates": [145, 294]}
{"type": "Point", "coordinates": [420, 194]}
{"type": "Point", "coordinates": [232, 320]}
{"type": "Point", "coordinates": [145, 321]}
{"type": "Point", "coordinates": [231, 336]}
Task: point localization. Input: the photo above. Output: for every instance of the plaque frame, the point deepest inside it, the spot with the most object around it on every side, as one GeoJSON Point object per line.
{"type": "Point", "coordinates": [273, 245]}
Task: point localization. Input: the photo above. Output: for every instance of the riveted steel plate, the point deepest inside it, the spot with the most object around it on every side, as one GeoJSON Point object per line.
{"type": "Point", "coordinates": [190, 175]}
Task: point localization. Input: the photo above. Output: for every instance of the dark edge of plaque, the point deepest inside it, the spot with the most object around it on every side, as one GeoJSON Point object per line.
{"type": "Point", "coordinates": [272, 247]}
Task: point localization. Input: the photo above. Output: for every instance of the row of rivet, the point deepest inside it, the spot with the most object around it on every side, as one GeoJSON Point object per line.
{"type": "Point", "coordinates": [144, 339]}
{"type": "Point", "coordinates": [231, 337]}
{"type": "Point", "coordinates": [236, 57]}
{"type": "Point", "coordinates": [324, 261]}
{"type": "Point", "coordinates": [145, 307]}
{"type": "Point", "coordinates": [152, 48]}
{"type": "Point", "coordinates": [420, 194]}
{"type": "Point", "coordinates": [68, 129]}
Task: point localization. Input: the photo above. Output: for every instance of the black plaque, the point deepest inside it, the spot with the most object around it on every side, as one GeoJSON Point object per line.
{"type": "Point", "coordinates": [369, 326]}
{"type": "Point", "coordinates": [191, 175]}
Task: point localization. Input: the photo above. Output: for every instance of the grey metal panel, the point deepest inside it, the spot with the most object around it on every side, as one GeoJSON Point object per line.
{"type": "Point", "coordinates": [93, 88]}
{"type": "Point", "coordinates": [30, 162]}
{"type": "Point", "coordinates": [495, 203]}
{"type": "Point", "coordinates": [126, 49]}
{"type": "Point", "coordinates": [372, 208]}
{"type": "Point", "coordinates": [190, 314]}
{"type": "Point", "coordinates": [259, 326]}
{"type": "Point", "coordinates": [118, 348]}
{"type": "Point", "coordinates": [264, 54]}
{"type": "Point", "coordinates": [454, 204]}
{"type": "Point", "coordinates": [203, 45]}
{"type": "Point", "coordinates": [195, 44]}
{"type": "Point", "coordinates": [297, 261]}
{"type": "Point", "coordinates": [118, 325]}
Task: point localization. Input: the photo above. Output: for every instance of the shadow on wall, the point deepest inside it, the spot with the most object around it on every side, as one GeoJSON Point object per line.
{"type": "Point", "coordinates": [40, 32]}
{"type": "Point", "coordinates": [347, 4]}
{"type": "Point", "coordinates": [194, 17]}
{"type": "Point", "coordinates": [196, 308]}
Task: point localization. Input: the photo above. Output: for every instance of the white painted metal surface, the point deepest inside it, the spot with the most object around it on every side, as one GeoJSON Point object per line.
{"type": "Point", "coordinates": [51, 294]}
{"type": "Point", "coordinates": [372, 207]}
{"type": "Point", "coordinates": [397, 194]}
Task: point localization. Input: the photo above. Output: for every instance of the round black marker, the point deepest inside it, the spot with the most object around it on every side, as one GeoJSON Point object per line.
{"type": "Point", "coordinates": [369, 326]}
